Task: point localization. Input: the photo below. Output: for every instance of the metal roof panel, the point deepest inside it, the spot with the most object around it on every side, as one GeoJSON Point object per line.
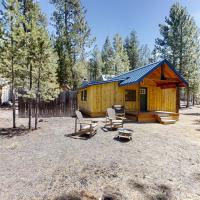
{"type": "Point", "coordinates": [136, 75]}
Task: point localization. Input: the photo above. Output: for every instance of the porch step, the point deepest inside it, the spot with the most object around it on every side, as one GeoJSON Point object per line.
{"type": "Point", "coordinates": [163, 115]}
{"type": "Point", "coordinates": [167, 121]}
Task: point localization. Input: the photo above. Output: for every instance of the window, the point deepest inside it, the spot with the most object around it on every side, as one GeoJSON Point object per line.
{"type": "Point", "coordinates": [130, 95]}
{"type": "Point", "coordinates": [84, 95]}
{"type": "Point", "coordinates": [142, 91]}
{"type": "Point", "coordinates": [81, 95]}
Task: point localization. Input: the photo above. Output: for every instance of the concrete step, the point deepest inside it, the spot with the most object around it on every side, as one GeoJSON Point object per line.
{"type": "Point", "coordinates": [167, 121]}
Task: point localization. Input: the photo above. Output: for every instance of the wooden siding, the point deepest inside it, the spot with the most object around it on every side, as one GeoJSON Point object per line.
{"type": "Point", "coordinates": [100, 97]}
{"type": "Point", "coordinates": [161, 99]}
{"type": "Point", "coordinates": [161, 87]}
{"type": "Point", "coordinates": [86, 106]}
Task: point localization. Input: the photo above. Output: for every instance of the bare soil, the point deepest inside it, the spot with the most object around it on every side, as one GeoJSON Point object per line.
{"type": "Point", "coordinates": [161, 162]}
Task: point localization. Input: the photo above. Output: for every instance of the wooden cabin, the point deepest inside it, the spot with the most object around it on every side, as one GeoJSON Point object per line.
{"type": "Point", "coordinates": [145, 92]}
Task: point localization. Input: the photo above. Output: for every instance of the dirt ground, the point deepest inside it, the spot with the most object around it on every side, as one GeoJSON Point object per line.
{"type": "Point", "coordinates": [161, 162]}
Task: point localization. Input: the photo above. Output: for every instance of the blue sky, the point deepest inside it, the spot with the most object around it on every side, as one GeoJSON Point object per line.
{"type": "Point", "coordinates": [107, 17]}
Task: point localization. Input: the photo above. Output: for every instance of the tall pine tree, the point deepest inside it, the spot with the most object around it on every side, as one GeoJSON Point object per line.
{"type": "Point", "coordinates": [133, 51]}
{"type": "Point", "coordinates": [121, 61]}
{"type": "Point", "coordinates": [32, 21]}
{"type": "Point", "coordinates": [107, 54]}
{"type": "Point", "coordinates": [95, 65]}
{"type": "Point", "coordinates": [45, 85]}
{"type": "Point", "coordinates": [180, 43]}
{"type": "Point", "coordinates": [12, 48]}
{"type": "Point", "coordinates": [71, 39]}
{"type": "Point", "coordinates": [144, 55]}
{"type": "Point", "coordinates": [40, 60]}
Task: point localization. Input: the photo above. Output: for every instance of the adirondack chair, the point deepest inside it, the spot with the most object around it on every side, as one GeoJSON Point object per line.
{"type": "Point", "coordinates": [113, 121]}
{"type": "Point", "coordinates": [87, 127]}
{"type": "Point", "coordinates": [119, 110]}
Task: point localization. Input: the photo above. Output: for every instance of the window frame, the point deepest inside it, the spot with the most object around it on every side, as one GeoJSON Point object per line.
{"type": "Point", "coordinates": [84, 95]}
{"type": "Point", "coordinates": [143, 91]}
{"type": "Point", "coordinates": [127, 96]}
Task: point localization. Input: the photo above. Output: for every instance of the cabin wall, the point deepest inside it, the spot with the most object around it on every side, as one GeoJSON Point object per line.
{"type": "Point", "coordinates": [100, 97]}
{"type": "Point", "coordinates": [103, 96]}
{"type": "Point", "coordinates": [86, 106]}
{"type": "Point", "coordinates": [161, 99]}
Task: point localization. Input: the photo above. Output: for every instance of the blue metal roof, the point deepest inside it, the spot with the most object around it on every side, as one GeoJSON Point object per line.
{"type": "Point", "coordinates": [137, 75]}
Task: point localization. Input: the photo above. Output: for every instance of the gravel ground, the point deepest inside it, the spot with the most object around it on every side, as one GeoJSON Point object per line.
{"type": "Point", "coordinates": [161, 162]}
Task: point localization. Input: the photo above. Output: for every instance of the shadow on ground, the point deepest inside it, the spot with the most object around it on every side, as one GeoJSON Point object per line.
{"type": "Point", "coordinates": [193, 114]}
{"type": "Point", "coordinates": [122, 140]}
{"type": "Point", "coordinates": [11, 132]}
{"type": "Point", "coordinates": [74, 195]}
{"type": "Point", "coordinates": [156, 192]}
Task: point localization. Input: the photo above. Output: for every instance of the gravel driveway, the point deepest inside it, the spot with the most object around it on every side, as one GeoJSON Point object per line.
{"type": "Point", "coordinates": [161, 162]}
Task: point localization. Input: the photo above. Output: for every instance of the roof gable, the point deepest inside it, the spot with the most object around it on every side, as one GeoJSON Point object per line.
{"type": "Point", "coordinates": [139, 74]}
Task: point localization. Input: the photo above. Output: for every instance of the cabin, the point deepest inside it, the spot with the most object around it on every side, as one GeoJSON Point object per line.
{"type": "Point", "coordinates": [147, 93]}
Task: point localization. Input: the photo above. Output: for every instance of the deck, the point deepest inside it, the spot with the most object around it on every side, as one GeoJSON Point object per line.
{"type": "Point", "coordinates": [151, 116]}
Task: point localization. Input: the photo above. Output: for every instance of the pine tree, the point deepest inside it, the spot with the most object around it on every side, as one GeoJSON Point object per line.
{"type": "Point", "coordinates": [155, 55]}
{"type": "Point", "coordinates": [132, 47]}
{"type": "Point", "coordinates": [121, 61]}
{"type": "Point", "coordinates": [39, 59]}
{"type": "Point", "coordinates": [45, 85]}
{"type": "Point", "coordinates": [11, 48]}
{"type": "Point", "coordinates": [107, 57]}
{"type": "Point", "coordinates": [32, 21]}
{"type": "Point", "coordinates": [71, 39]}
{"type": "Point", "coordinates": [180, 42]}
{"type": "Point", "coordinates": [95, 65]}
{"type": "Point", "coordinates": [144, 55]}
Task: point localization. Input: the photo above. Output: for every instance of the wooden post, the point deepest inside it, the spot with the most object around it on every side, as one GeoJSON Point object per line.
{"type": "Point", "coordinates": [138, 98]}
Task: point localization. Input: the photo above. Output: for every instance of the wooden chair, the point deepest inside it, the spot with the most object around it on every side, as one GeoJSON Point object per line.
{"type": "Point", "coordinates": [113, 121]}
{"type": "Point", "coordinates": [119, 110]}
{"type": "Point", "coordinates": [87, 127]}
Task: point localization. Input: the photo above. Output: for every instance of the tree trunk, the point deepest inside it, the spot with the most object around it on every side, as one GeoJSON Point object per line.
{"type": "Point", "coordinates": [188, 97]}
{"type": "Point", "coordinates": [13, 78]}
{"type": "Point", "coordinates": [30, 101]}
{"type": "Point", "coordinates": [29, 113]}
{"type": "Point", "coordinates": [36, 113]}
{"type": "Point", "coordinates": [37, 100]}
{"type": "Point", "coordinates": [13, 96]}
{"type": "Point", "coordinates": [193, 99]}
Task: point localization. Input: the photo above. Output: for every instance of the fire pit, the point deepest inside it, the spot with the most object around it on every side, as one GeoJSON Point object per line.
{"type": "Point", "coordinates": [124, 133]}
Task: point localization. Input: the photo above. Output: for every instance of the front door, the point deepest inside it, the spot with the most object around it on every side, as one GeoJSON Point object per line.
{"type": "Point", "coordinates": [143, 99]}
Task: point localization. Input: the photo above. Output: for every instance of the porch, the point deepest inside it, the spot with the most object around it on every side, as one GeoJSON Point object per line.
{"type": "Point", "coordinates": [163, 117]}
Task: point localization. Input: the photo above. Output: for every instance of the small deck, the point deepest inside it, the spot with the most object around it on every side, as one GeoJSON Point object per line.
{"type": "Point", "coordinates": [152, 116]}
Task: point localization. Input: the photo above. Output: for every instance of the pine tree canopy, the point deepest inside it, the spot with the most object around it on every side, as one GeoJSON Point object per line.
{"type": "Point", "coordinates": [107, 57]}
{"type": "Point", "coordinates": [133, 51]}
{"type": "Point", "coordinates": [179, 42]}
{"type": "Point", "coordinates": [95, 65]}
{"type": "Point", "coordinates": [71, 39]}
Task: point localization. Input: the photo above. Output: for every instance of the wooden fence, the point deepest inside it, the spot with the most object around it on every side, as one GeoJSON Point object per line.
{"type": "Point", "coordinates": [63, 106]}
